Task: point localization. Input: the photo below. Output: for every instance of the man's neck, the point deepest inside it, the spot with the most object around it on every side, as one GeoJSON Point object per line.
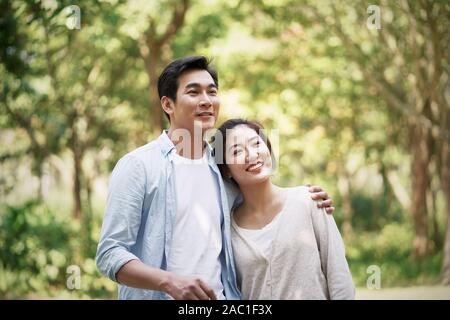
{"type": "Point", "coordinates": [189, 144]}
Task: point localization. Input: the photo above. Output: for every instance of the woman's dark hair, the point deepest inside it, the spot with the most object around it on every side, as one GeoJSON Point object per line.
{"type": "Point", "coordinates": [168, 80]}
{"type": "Point", "coordinates": [219, 141]}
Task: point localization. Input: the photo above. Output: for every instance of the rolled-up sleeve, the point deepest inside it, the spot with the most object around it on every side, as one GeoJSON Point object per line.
{"type": "Point", "coordinates": [122, 217]}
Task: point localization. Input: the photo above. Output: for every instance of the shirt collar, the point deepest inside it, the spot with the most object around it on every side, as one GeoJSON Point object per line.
{"type": "Point", "coordinates": [167, 146]}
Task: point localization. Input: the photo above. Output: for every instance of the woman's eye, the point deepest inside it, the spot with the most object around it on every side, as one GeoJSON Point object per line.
{"type": "Point", "coordinates": [236, 152]}
{"type": "Point", "coordinates": [192, 92]}
{"type": "Point", "coordinates": [213, 92]}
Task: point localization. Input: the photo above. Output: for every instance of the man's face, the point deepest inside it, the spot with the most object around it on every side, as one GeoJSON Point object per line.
{"type": "Point", "coordinates": [197, 102]}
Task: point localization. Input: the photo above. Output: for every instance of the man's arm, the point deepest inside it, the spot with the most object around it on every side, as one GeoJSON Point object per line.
{"type": "Point", "coordinates": [322, 198]}
{"type": "Point", "coordinates": [122, 217]}
{"type": "Point", "coordinates": [138, 275]}
{"type": "Point", "coordinates": [121, 225]}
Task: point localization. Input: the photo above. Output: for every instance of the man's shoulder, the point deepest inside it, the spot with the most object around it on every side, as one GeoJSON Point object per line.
{"type": "Point", "coordinates": [149, 148]}
{"type": "Point", "coordinates": [143, 152]}
{"type": "Point", "coordinates": [147, 155]}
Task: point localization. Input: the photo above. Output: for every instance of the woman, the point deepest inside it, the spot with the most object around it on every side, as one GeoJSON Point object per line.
{"type": "Point", "coordinates": [284, 246]}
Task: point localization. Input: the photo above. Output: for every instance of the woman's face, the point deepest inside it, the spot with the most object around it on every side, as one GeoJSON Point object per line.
{"type": "Point", "coordinates": [248, 158]}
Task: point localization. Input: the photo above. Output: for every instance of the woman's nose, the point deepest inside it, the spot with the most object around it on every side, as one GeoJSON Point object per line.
{"type": "Point", "coordinates": [252, 155]}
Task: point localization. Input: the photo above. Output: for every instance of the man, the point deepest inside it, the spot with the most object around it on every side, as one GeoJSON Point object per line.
{"type": "Point", "coordinates": [166, 230]}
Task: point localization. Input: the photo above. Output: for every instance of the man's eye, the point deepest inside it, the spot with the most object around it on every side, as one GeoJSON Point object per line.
{"type": "Point", "coordinates": [213, 92]}
{"type": "Point", "coordinates": [192, 92]}
{"type": "Point", "coordinates": [236, 152]}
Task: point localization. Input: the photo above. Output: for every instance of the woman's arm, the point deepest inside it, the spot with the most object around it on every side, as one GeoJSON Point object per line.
{"type": "Point", "coordinates": [332, 255]}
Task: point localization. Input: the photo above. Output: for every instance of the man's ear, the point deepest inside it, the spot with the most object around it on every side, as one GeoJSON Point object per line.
{"type": "Point", "coordinates": [167, 105]}
{"type": "Point", "coordinates": [227, 173]}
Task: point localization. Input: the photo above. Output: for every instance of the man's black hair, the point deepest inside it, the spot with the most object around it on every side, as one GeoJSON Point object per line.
{"type": "Point", "coordinates": [168, 80]}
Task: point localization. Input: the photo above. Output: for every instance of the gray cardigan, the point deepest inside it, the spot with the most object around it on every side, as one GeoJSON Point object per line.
{"type": "Point", "coordinates": [307, 260]}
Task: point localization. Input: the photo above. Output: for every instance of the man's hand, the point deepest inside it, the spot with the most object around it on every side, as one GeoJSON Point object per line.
{"type": "Point", "coordinates": [136, 274]}
{"type": "Point", "coordinates": [323, 201]}
{"type": "Point", "coordinates": [187, 288]}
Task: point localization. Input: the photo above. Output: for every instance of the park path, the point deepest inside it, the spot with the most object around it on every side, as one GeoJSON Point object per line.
{"type": "Point", "coordinates": [407, 293]}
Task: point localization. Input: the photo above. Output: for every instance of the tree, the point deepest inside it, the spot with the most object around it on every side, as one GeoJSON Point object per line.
{"type": "Point", "coordinates": [66, 96]}
{"type": "Point", "coordinates": [406, 63]}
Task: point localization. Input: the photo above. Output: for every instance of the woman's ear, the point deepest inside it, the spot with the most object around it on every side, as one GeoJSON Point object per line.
{"type": "Point", "coordinates": [167, 105]}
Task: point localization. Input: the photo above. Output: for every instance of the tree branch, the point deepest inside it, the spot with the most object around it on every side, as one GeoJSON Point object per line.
{"type": "Point", "coordinates": [25, 123]}
{"type": "Point", "coordinates": [394, 97]}
{"type": "Point", "coordinates": [175, 24]}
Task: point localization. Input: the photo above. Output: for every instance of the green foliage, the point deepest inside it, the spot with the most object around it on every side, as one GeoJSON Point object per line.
{"type": "Point", "coordinates": [280, 62]}
{"type": "Point", "coordinates": [374, 212]}
{"type": "Point", "coordinates": [37, 247]}
{"type": "Point", "coordinates": [33, 237]}
{"type": "Point", "coordinates": [390, 249]}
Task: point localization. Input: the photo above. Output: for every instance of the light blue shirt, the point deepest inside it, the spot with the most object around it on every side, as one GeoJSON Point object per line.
{"type": "Point", "coordinates": [140, 212]}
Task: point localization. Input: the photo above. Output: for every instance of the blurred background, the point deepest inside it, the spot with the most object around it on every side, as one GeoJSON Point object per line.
{"type": "Point", "coordinates": [357, 91]}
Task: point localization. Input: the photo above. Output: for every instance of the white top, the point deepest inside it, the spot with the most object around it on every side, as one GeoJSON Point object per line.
{"type": "Point", "coordinates": [307, 259]}
{"type": "Point", "coordinates": [197, 237]}
{"type": "Point", "coordinates": [261, 238]}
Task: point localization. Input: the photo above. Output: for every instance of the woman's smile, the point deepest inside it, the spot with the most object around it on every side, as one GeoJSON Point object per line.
{"type": "Point", "coordinates": [257, 167]}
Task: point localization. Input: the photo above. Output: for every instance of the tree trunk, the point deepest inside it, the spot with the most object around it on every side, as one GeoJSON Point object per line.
{"type": "Point", "coordinates": [400, 193]}
{"type": "Point", "coordinates": [433, 215]}
{"type": "Point", "coordinates": [155, 104]}
{"type": "Point", "coordinates": [89, 245]}
{"type": "Point", "coordinates": [39, 171]}
{"type": "Point", "coordinates": [420, 176]}
{"type": "Point", "coordinates": [446, 262]}
{"type": "Point", "coordinates": [77, 172]}
{"type": "Point", "coordinates": [152, 46]}
{"type": "Point", "coordinates": [344, 190]}
{"type": "Point", "coordinates": [445, 178]}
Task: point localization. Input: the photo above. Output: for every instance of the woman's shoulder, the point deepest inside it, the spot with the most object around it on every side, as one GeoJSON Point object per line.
{"type": "Point", "coordinates": [299, 196]}
{"type": "Point", "coordinates": [300, 201]}
{"type": "Point", "coordinates": [299, 192]}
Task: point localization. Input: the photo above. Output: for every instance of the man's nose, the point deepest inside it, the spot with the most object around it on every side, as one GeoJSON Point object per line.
{"type": "Point", "coordinates": [205, 100]}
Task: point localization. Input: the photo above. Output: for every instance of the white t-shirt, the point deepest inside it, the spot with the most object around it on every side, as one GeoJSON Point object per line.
{"type": "Point", "coordinates": [197, 237]}
{"type": "Point", "coordinates": [261, 238]}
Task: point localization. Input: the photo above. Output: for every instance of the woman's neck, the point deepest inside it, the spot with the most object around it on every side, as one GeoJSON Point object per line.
{"type": "Point", "coordinates": [261, 198]}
